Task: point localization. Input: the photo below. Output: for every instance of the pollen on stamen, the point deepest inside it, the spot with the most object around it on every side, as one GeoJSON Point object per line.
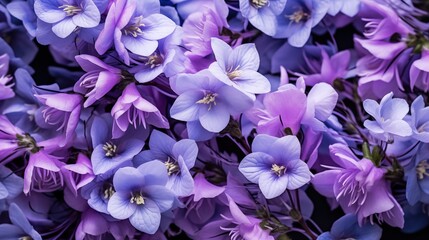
{"type": "Point", "coordinates": [209, 99]}
{"type": "Point", "coordinates": [421, 169]}
{"type": "Point", "coordinates": [134, 29]}
{"type": "Point", "coordinates": [278, 170]}
{"type": "Point", "coordinates": [110, 149]}
{"type": "Point", "coordinates": [259, 3]}
{"type": "Point", "coordinates": [298, 16]}
{"type": "Point", "coordinates": [137, 199]}
{"type": "Point", "coordinates": [70, 10]}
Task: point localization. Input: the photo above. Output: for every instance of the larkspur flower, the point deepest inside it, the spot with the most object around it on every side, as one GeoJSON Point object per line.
{"type": "Point", "coordinates": [388, 117]}
{"type": "Point", "coordinates": [238, 67]}
{"type": "Point", "coordinates": [275, 165]}
{"type": "Point", "coordinates": [141, 195]}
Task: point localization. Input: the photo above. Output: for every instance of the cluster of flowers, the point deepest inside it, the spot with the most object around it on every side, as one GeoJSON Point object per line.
{"type": "Point", "coordinates": [213, 119]}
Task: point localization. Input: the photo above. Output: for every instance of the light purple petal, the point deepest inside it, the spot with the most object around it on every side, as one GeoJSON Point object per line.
{"type": "Point", "coordinates": [146, 218]}
{"type": "Point", "coordinates": [255, 164]}
{"type": "Point", "coordinates": [272, 185]}
{"type": "Point", "coordinates": [120, 207]}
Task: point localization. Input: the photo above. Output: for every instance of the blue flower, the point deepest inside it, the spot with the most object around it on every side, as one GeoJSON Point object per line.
{"type": "Point", "coordinates": [275, 165]}
{"type": "Point", "coordinates": [262, 13]}
{"type": "Point", "coordinates": [238, 67]}
{"type": "Point", "coordinates": [420, 120]}
{"type": "Point", "coordinates": [347, 227]}
{"type": "Point", "coordinates": [141, 195]}
{"type": "Point", "coordinates": [298, 19]}
{"type": "Point", "coordinates": [20, 229]}
{"type": "Point", "coordinates": [110, 154]}
{"type": "Point", "coordinates": [388, 116]}
{"type": "Point", "coordinates": [205, 98]}
{"type": "Point", "coordinates": [178, 158]}
{"type": "Point", "coordinates": [417, 177]}
{"type": "Point", "coordinates": [66, 15]}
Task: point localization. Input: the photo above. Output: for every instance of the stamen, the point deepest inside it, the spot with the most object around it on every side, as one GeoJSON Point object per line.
{"type": "Point", "coordinates": [137, 199]}
{"type": "Point", "coordinates": [209, 98]}
{"type": "Point", "coordinates": [27, 141]}
{"type": "Point", "coordinates": [108, 192]}
{"type": "Point", "coordinates": [298, 16]}
{"type": "Point", "coordinates": [110, 149]}
{"type": "Point", "coordinates": [154, 60]}
{"type": "Point", "coordinates": [70, 10]}
{"type": "Point", "coordinates": [134, 29]}
{"type": "Point", "coordinates": [421, 169]}
{"type": "Point", "coordinates": [259, 3]}
{"type": "Point", "coordinates": [172, 167]}
{"type": "Point", "coordinates": [233, 73]}
{"type": "Point", "coordinates": [279, 170]}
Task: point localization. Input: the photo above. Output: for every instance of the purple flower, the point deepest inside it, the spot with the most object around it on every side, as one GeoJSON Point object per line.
{"type": "Point", "coordinates": [238, 67]}
{"type": "Point", "coordinates": [134, 26]}
{"type": "Point", "coordinates": [10, 184]}
{"type": "Point", "coordinates": [200, 26]}
{"type": "Point", "coordinates": [99, 79]}
{"type": "Point", "coordinates": [167, 59]}
{"type": "Point", "coordinates": [43, 173]}
{"type": "Point", "coordinates": [141, 195]}
{"type": "Point", "coordinates": [298, 19]}
{"type": "Point", "coordinates": [416, 176]}
{"type": "Point", "coordinates": [66, 15]}
{"type": "Point", "coordinates": [262, 13]}
{"type": "Point", "coordinates": [5, 79]}
{"type": "Point", "coordinates": [20, 227]}
{"type": "Point", "coordinates": [60, 111]}
{"type": "Point", "coordinates": [110, 154]}
{"type": "Point", "coordinates": [24, 11]}
{"type": "Point", "coordinates": [205, 98]}
{"type": "Point", "coordinates": [178, 157]}
{"type": "Point", "coordinates": [419, 72]}
{"type": "Point", "coordinates": [359, 187]}
{"type": "Point", "coordinates": [78, 174]}
{"type": "Point", "coordinates": [275, 165]}
{"type": "Point", "coordinates": [347, 228]}
{"type": "Point", "coordinates": [388, 117]}
{"type": "Point", "coordinates": [13, 141]}
{"type": "Point", "coordinates": [132, 109]}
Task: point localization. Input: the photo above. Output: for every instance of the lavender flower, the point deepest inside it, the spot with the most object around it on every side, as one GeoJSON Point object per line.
{"type": "Point", "coordinates": [420, 120]}
{"type": "Point", "coordinates": [272, 169]}
{"type": "Point", "coordinates": [141, 195]}
{"type": "Point", "coordinates": [388, 117]}
{"type": "Point", "coordinates": [5, 79]}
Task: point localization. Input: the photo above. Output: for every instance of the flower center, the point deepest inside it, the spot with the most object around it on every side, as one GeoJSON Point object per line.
{"type": "Point", "coordinates": [70, 10]}
{"type": "Point", "coordinates": [278, 170]}
{"type": "Point", "coordinates": [298, 16]}
{"type": "Point", "coordinates": [259, 3]}
{"type": "Point", "coordinates": [108, 192]}
{"type": "Point", "coordinates": [137, 199]}
{"type": "Point", "coordinates": [171, 166]}
{"type": "Point", "coordinates": [134, 29]}
{"type": "Point", "coordinates": [27, 141]}
{"type": "Point", "coordinates": [154, 60]}
{"type": "Point", "coordinates": [110, 149]}
{"type": "Point", "coordinates": [233, 73]}
{"type": "Point", "coordinates": [209, 98]}
{"type": "Point", "coordinates": [421, 169]}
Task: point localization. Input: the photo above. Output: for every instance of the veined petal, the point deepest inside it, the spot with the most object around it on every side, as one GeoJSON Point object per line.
{"type": "Point", "coordinates": [254, 165]}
